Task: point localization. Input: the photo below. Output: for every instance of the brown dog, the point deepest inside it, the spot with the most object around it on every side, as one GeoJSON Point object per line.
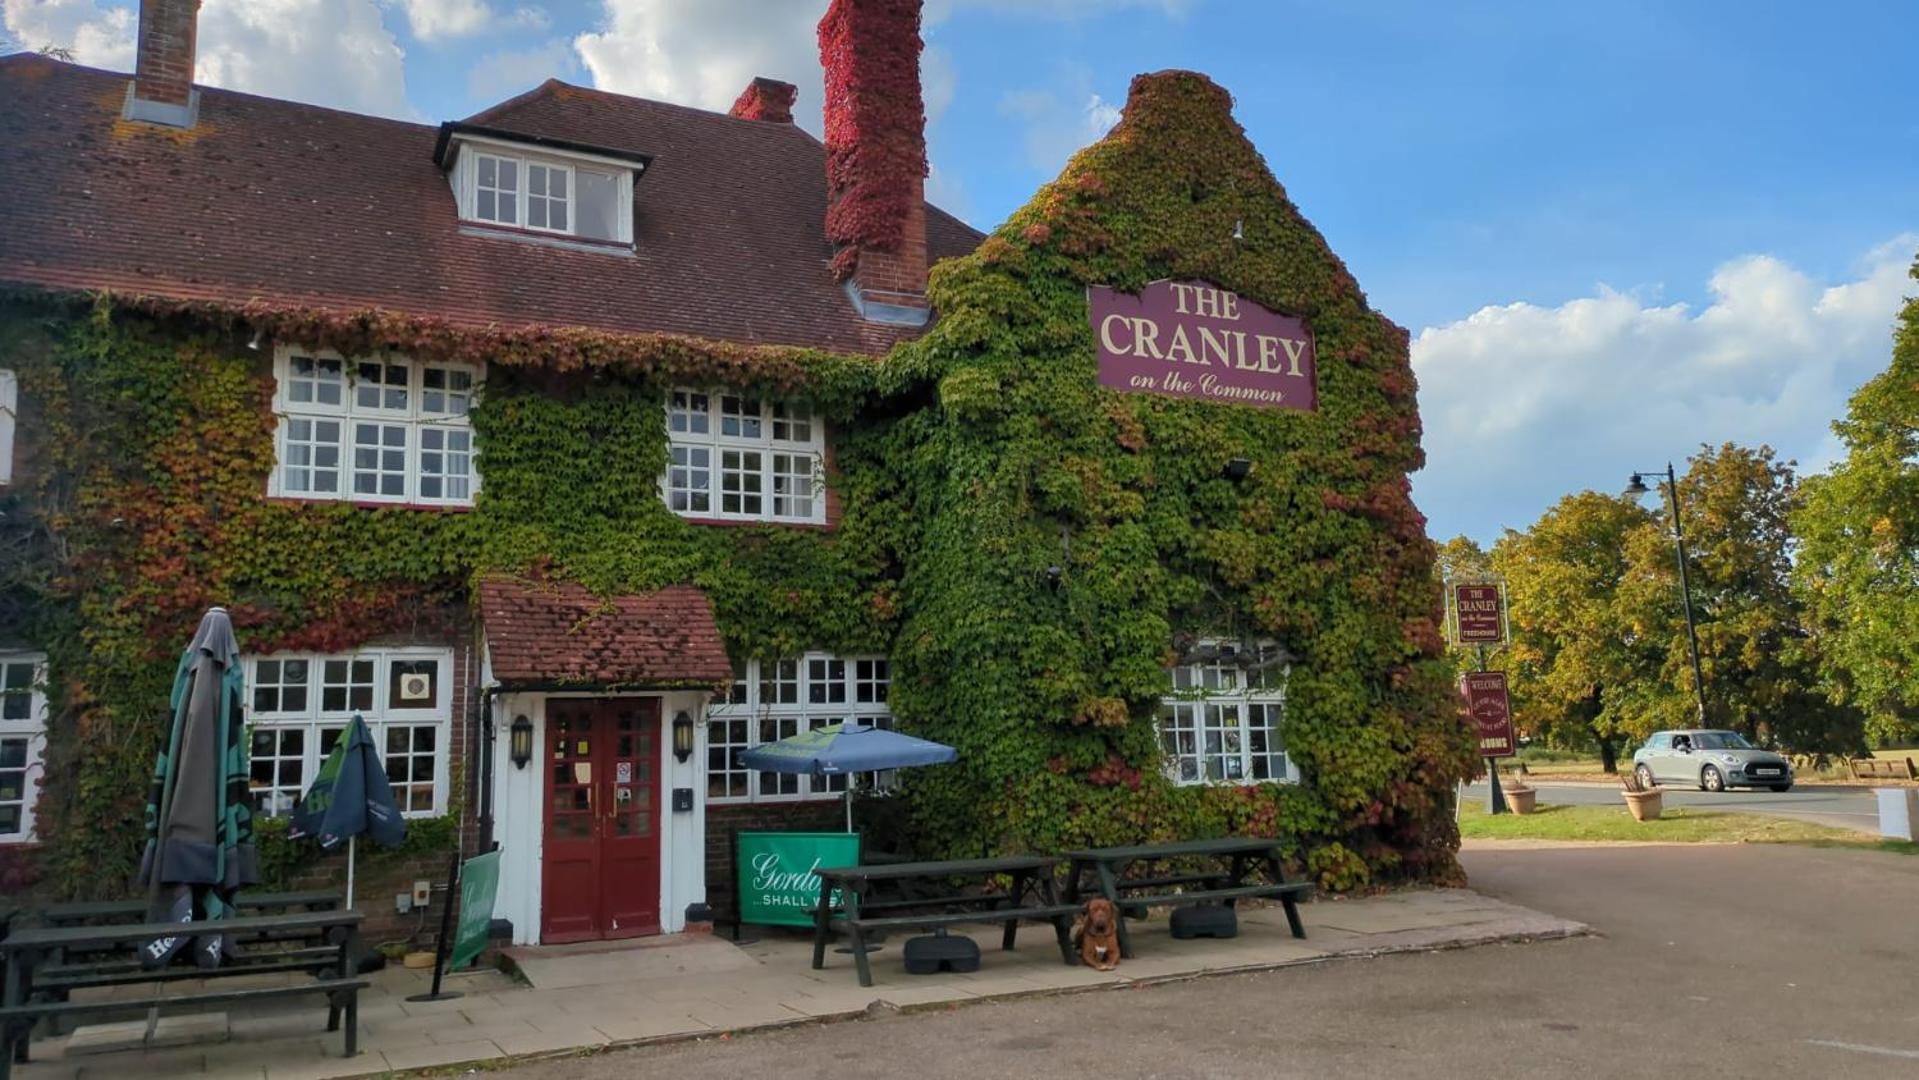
{"type": "Point", "coordinates": [1097, 934]}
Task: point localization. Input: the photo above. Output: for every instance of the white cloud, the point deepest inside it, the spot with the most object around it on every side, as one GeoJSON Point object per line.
{"type": "Point", "coordinates": [433, 19]}
{"type": "Point", "coordinates": [1059, 121]}
{"type": "Point", "coordinates": [436, 20]}
{"type": "Point", "coordinates": [1523, 404]}
{"type": "Point", "coordinates": [938, 11]}
{"type": "Point", "coordinates": [95, 36]}
{"type": "Point", "coordinates": [500, 75]}
{"type": "Point", "coordinates": [704, 54]}
{"type": "Point", "coordinates": [337, 53]}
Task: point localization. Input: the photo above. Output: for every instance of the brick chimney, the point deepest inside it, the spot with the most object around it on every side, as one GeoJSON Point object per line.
{"type": "Point", "coordinates": [766, 99]}
{"type": "Point", "coordinates": [162, 89]}
{"type": "Point", "coordinates": [876, 156]}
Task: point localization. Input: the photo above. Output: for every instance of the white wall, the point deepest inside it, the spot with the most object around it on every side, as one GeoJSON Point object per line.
{"type": "Point", "coordinates": [519, 813]}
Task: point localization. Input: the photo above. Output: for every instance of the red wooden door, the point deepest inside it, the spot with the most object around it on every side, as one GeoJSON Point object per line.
{"type": "Point", "coordinates": [630, 846]}
{"type": "Point", "coordinates": [600, 872]}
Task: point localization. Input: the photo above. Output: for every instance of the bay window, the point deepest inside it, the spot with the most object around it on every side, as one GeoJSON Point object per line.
{"type": "Point", "coordinates": [373, 430]}
{"type": "Point", "coordinates": [1224, 721]}
{"type": "Point", "coordinates": [300, 703]}
{"type": "Point", "coordinates": [737, 458]}
{"type": "Point", "coordinates": [772, 700]}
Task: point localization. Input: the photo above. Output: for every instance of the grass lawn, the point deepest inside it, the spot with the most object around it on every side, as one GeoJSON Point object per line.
{"type": "Point", "coordinates": [1683, 824]}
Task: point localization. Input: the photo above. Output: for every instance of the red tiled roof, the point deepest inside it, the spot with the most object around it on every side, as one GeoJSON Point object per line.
{"type": "Point", "coordinates": [558, 632]}
{"type": "Point", "coordinates": [294, 204]}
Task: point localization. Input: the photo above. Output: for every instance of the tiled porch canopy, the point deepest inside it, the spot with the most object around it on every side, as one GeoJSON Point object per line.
{"type": "Point", "coordinates": [551, 634]}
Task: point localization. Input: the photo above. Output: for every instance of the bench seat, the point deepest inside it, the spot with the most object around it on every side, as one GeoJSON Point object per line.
{"type": "Point", "coordinates": [892, 922]}
{"type": "Point", "coordinates": [343, 994]}
{"type": "Point", "coordinates": [80, 976]}
{"type": "Point", "coordinates": [1203, 896]}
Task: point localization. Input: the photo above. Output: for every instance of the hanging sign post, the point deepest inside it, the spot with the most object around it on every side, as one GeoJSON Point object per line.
{"type": "Point", "coordinates": [1476, 614]}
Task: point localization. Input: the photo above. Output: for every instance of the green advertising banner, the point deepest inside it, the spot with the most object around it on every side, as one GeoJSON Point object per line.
{"type": "Point", "coordinates": [479, 881]}
{"type": "Point", "coordinates": [776, 884]}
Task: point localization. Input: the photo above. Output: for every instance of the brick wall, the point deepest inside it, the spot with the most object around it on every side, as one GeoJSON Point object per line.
{"type": "Point", "coordinates": [165, 52]}
{"type": "Point", "coordinates": [817, 816]}
{"type": "Point", "coordinates": [377, 879]}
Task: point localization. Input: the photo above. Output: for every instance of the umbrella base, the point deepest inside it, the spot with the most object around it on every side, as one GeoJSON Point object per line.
{"type": "Point", "coordinates": [444, 995]}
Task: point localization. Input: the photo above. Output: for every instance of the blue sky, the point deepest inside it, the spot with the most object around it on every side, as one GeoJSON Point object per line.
{"type": "Point", "coordinates": [1614, 230]}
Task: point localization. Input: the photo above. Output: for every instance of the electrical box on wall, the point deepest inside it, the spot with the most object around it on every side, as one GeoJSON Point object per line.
{"type": "Point", "coordinates": [403, 902]}
{"type": "Point", "coordinates": [682, 799]}
{"type": "Point", "coordinates": [422, 893]}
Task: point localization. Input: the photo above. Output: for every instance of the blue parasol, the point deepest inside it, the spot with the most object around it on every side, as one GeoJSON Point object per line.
{"type": "Point", "coordinates": [841, 749]}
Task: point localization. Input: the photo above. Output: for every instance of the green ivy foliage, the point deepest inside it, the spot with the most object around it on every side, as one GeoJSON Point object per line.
{"type": "Point", "coordinates": [1024, 463]}
{"type": "Point", "coordinates": [967, 463]}
{"type": "Point", "coordinates": [152, 442]}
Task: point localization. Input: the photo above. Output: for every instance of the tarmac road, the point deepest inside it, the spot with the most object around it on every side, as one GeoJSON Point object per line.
{"type": "Point", "coordinates": [1712, 961]}
{"type": "Point", "coordinates": [1839, 806]}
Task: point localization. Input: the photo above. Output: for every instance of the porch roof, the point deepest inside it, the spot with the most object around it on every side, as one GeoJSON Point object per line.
{"type": "Point", "coordinates": [561, 634]}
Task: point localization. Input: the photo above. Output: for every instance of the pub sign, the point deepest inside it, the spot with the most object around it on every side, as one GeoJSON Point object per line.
{"type": "Point", "coordinates": [1479, 612]}
{"type": "Point", "coordinates": [1492, 711]}
{"type": "Point", "coordinates": [1195, 339]}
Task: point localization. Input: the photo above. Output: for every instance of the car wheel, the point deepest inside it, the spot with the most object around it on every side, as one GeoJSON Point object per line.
{"type": "Point", "coordinates": [1644, 775]}
{"type": "Point", "coordinates": [1782, 787]}
{"type": "Point", "coordinates": [1711, 780]}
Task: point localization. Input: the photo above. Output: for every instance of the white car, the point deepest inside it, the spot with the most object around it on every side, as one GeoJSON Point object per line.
{"type": "Point", "coordinates": [1714, 760]}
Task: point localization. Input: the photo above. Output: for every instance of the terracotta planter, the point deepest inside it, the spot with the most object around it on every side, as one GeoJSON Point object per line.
{"type": "Point", "coordinates": [1520, 800]}
{"type": "Point", "coordinates": [1645, 805]}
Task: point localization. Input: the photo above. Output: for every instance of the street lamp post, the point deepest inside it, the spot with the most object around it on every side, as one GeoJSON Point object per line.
{"type": "Point", "coordinates": [1635, 489]}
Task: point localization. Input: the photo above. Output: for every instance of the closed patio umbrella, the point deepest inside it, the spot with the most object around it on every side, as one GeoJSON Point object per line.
{"type": "Point", "coordinates": [350, 797]}
{"type": "Point", "coordinates": [199, 849]}
{"type": "Point", "coordinates": [842, 749]}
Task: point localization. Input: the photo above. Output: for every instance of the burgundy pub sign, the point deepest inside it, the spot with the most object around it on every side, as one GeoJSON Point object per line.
{"type": "Point", "coordinates": [1479, 613]}
{"type": "Point", "coordinates": [1492, 712]}
{"type": "Point", "coordinates": [1194, 339]}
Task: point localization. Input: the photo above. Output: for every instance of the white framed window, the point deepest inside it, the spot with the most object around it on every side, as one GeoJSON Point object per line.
{"type": "Point", "coordinates": [578, 195]}
{"type": "Point", "coordinates": [23, 742]}
{"type": "Point", "coordinates": [9, 413]}
{"type": "Point", "coordinates": [738, 458]}
{"type": "Point", "coordinates": [1224, 721]}
{"type": "Point", "coordinates": [298, 704]}
{"type": "Point", "coordinates": [384, 430]}
{"type": "Point", "coordinates": [774, 699]}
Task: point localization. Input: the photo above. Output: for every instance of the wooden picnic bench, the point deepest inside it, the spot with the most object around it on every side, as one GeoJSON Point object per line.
{"type": "Point", "coordinates": [1033, 896]}
{"type": "Point", "coordinates": [121, 911]}
{"type": "Point", "coordinates": [1230, 872]}
{"type": "Point", "coordinates": [38, 981]}
{"type": "Point", "coordinates": [1884, 769]}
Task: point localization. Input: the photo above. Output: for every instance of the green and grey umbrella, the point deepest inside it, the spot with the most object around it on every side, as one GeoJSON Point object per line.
{"type": "Point", "coordinates": [350, 796]}
{"type": "Point", "coordinates": [199, 818]}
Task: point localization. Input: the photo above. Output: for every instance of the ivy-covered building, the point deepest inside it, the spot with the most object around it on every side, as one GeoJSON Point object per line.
{"type": "Point", "coordinates": [588, 442]}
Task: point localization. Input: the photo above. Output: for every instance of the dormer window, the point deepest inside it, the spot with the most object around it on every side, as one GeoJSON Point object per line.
{"type": "Point", "coordinates": [541, 187]}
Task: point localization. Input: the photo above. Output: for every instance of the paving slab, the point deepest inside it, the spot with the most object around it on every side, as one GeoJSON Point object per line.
{"type": "Point", "coordinates": [424, 1057]}
{"type": "Point", "coordinates": [699, 985]}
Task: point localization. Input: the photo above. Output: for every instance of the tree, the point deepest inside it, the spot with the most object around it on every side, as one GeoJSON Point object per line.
{"type": "Point", "coordinates": [1572, 657]}
{"type": "Point", "coordinates": [1858, 563]}
{"type": "Point", "coordinates": [1759, 660]}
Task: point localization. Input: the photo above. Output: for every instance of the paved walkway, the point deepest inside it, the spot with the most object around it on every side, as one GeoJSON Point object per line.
{"type": "Point", "coordinates": [1740, 961]}
{"type": "Point", "coordinates": [693, 985]}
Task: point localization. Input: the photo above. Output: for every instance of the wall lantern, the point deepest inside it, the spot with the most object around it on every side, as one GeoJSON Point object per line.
{"type": "Point", "coordinates": [682, 736]}
{"type": "Point", "coordinates": [521, 736]}
{"type": "Point", "coordinates": [1237, 469]}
